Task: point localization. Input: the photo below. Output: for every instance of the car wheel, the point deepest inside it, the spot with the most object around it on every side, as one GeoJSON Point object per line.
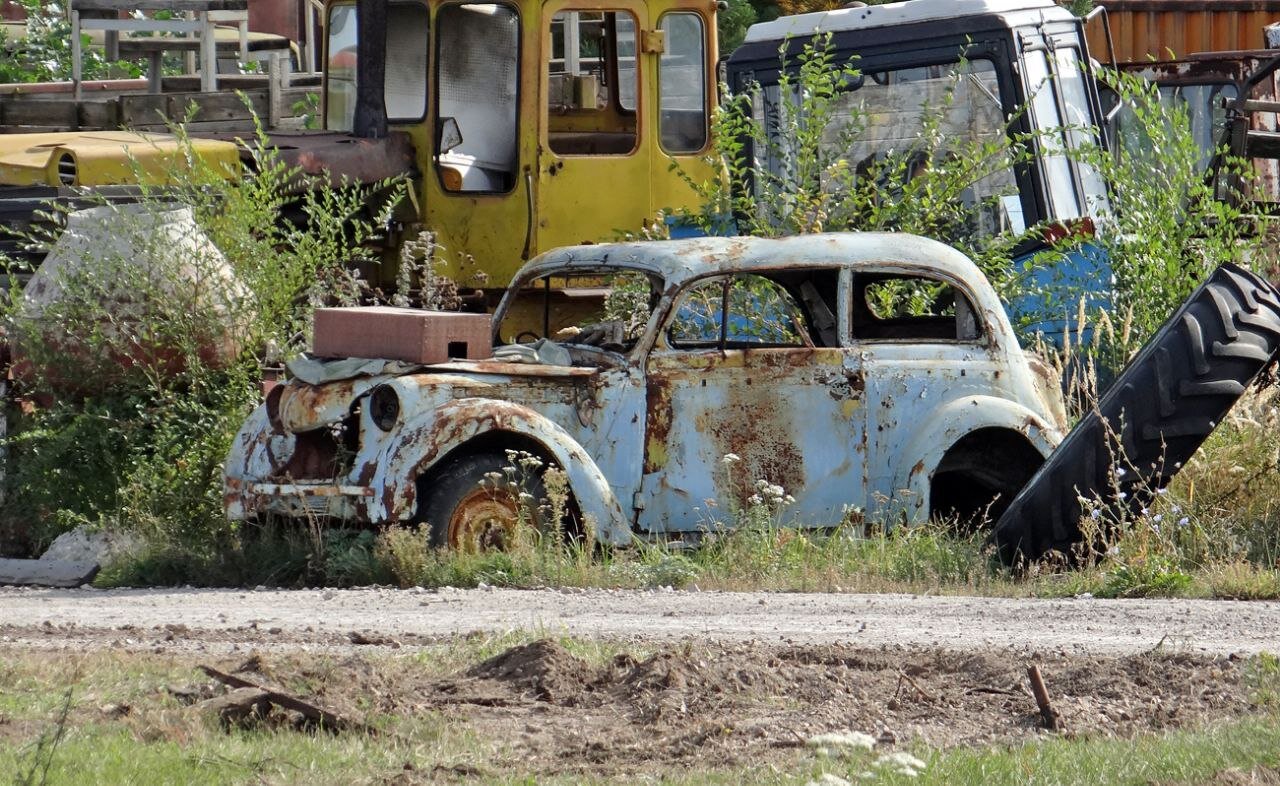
{"type": "Point", "coordinates": [469, 509]}
{"type": "Point", "coordinates": [1164, 404]}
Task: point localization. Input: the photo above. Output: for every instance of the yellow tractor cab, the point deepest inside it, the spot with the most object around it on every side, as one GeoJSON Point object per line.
{"type": "Point", "coordinates": [524, 125]}
{"type": "Point", "coordinates": [534, 124]}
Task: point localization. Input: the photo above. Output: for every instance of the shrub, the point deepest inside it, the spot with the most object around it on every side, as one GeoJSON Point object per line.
{"type": "Point", "coordinates": [142, 448]}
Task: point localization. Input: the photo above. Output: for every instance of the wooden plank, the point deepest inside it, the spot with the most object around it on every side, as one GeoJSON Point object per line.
{"type": "Point", "coordinates": [143, 109]}
{"type": "Point", "coordinates": [140, 110]}
{"type": "Point", "coordinates": [159, 5]}
{"type": "Point", "coordinates": [62, 112]}
{"type": "Point", "coordinates": [99, 115]}
{"type": "Point", "coordinates": [46, 573]}
{"type": "Point", "coordinates": [1263, 144]}
{"type": "Point", "coordinates": [1262, 106]}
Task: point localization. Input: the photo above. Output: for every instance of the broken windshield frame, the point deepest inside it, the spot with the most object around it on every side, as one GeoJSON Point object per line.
{"type": "Point", "coordinates": [603, 309]}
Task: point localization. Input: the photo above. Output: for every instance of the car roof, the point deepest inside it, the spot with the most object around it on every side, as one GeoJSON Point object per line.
{"type": "Point", "coordinates": [869, 17]}
{"type": "Point", "coordinates": [676, 261]}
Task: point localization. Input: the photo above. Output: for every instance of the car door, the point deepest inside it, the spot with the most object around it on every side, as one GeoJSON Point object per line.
{"type": "Point", "coordinates": [744, 408]}
{"type": "Point", "coordinates": [478, 188]}
{"type": "Point", "coordinates": [922, 345]}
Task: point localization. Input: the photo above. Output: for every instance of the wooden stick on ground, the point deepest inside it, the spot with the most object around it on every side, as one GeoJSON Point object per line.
{"type": "Point", "coordinates": [1052, 721]}
{"type": "Point", "coordinates": [322, 716]}
{"type": "Point", "coordinates": [903, 677]}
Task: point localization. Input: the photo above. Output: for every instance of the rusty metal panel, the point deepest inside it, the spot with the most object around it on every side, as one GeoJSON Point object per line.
{"type": "Point", "coordinates": [1204, 81]}
{"type": "Point", "coordinates": [1172, 29]}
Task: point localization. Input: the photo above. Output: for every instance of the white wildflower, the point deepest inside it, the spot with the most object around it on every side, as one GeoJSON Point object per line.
{"type": "Point", "coordinates": [902, 764]}
{"type": "Point", "coordinates": [842, 740]}
{"type": "Point", "coordinates": [731, 458]}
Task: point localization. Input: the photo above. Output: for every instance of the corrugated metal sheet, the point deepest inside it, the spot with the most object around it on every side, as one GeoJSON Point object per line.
{"type": "Point", "coordinates": [1173, 29]}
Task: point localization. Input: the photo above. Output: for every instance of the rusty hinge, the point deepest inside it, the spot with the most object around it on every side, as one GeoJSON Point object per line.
{"type": "Point", "coordinates": [653, 42]}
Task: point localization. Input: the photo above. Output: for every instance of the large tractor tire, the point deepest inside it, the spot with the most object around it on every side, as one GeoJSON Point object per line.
{"type": "Point", "coordinates": [1163, 406]}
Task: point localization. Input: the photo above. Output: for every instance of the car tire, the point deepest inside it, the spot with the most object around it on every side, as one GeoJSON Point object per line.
{"type": "Point", "coordinates": [466, 510]}
{"type": "Point", "coordinates": [1160, 409]}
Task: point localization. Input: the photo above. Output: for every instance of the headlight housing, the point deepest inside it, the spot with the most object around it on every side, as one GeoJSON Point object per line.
{"type": "Point", "coordinates": [384, 407]}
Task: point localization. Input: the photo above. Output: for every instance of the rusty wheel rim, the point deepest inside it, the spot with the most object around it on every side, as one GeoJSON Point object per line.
{"type": "Point", "coordinates": [484, 520]}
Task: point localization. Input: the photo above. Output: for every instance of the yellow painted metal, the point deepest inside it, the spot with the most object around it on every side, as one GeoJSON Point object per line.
{"type": "Point", "coordinates": [669, 191]}
{"type": "Point", "coordinates": [106, 157]}
{"type": "Point", "coordinates": [557, 199]}
{"type": "Point", "coordinates": [591, 198]}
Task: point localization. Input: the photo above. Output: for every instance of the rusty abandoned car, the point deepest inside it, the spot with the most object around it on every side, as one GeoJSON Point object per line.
{"type": "Point", "coordinates": [863, 374]}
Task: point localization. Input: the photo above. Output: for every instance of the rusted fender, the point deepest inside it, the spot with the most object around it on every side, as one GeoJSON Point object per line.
{"type": "Point", "coordinates": [249, 458]}
{"type": "Point", "coordinates": [947, 426]}
{"type": "Point", "coordinates": [423, 442]}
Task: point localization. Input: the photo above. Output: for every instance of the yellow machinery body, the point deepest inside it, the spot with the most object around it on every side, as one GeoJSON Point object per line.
{"type": "Point", "coordinates": [102, 158]}
{"type": "Point", "coordinates": [539, 124]}
{"type": "Point", "coordinates": [533, 125]}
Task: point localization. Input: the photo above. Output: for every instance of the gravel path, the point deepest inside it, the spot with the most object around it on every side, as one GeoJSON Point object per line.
{"type": "Point", "coordinates": [300, 619]}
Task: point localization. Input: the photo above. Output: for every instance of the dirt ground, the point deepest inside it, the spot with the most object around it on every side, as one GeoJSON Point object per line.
{"type": "Point", "coordinates": [544, 710]}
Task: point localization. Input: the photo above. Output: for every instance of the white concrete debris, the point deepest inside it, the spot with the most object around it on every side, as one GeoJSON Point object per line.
{"type": "Point", "coordinates": [84, 545]}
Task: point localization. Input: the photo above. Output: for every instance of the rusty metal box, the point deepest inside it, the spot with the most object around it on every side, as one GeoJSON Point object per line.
{"type": "Point", "coordinates": [407, 334]}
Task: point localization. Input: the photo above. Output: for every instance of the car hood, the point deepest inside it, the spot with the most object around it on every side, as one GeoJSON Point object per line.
{"type": "Point", "coordinates": [299, 406]}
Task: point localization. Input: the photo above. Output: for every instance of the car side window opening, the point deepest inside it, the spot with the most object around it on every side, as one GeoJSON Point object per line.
{"type": "Point", "coordinates": [478, 95]}
{"type": "Point", "coordinates": [682, 84]}
{"type": "Point", "coordinates": [911, 308]}
{"type": "Point", "coordinates": [405, 92]}
{"type": "Point", "coordinates": [736, 312]}
{"type": "Point", "coordinates": [592, 83]}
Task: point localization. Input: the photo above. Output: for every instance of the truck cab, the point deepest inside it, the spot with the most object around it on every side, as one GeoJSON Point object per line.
{"type": "Point", "coordinates": [980, 62]}
{"type": "Point", "coordinates": [536, 124]}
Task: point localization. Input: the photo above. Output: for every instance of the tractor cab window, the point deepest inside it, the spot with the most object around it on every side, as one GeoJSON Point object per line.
{"type": "Point", "coordinates": [911, 308]}
{"type": "Point", "coordinates": [478, 49]}
{"type": "Point", "coordinates": [593, 82]}
{"type": "Point", "coordinates": [736, 312]}
{"type": "Point", "coordinates": [607, 311]}
{"type": "Point", "coordinates": [405, 92]}
{"type": "Point", "coordinates": [682, 84]}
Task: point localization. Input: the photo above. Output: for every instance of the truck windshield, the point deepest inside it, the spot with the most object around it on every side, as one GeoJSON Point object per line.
{"type": "Point", "coordinates": [893, 106]}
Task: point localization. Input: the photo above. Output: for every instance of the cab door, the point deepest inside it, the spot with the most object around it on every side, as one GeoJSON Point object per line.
{"type": "Point", "coordinates": [478, 182]}
{"type": "Point", "coordinates": [594, 152]}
